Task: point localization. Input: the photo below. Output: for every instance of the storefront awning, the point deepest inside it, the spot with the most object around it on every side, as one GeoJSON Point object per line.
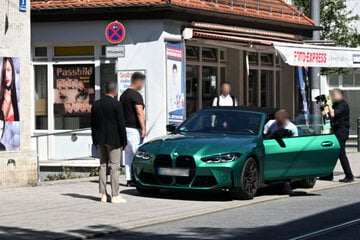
{"type": "Point", "coordinates": [307, 55]}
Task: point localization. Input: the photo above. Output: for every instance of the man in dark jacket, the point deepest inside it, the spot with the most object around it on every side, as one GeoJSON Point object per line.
{"type": "Point", "coordinates": [109, 134]}
{"type": "Point", "coordinates": [340, 114]}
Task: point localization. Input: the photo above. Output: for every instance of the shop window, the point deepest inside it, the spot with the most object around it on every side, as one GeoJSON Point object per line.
{"type": "Point", "coordinates": [209, 54]}
{"type": "Point", "coordinates": [357, 79]}
{"type": "Point", "coordinates": [253, 88]}
{"type": "Point", "coordinates": [348, 80]}
{"type": "Point", "coordinates": [222, 56]}
{"type": "Point", "coordinates": [278, 91]}
{"type": "Point", "coordinates": [192, 53]}
{"type": "Point", "coordinates": [267, 59]}
{"type": "Point", "coordinates": [74, 51]}
{"type": "Point", "coordinates": [333, 80]}
{"type": "Point", "coordinates": [353, 98]}
{"type": "Point", "coordinates": [41, 90]}
{"type": "Point", "coordinates": [40, 52]}
{"type": "Point", "coordinates": [192, 87]}
{"type": "Point", "coordinates": [253, 58]}
{"type": "Point", "coordinates": [267, 88]}
{"type": "Point", "coordinates": [209, 83]}
{"type": "Point", "coordinates": [74, 93]}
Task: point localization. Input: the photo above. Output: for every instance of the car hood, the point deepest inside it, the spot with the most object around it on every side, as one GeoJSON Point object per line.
{"type": "Point", "coordinates": [200, 144]}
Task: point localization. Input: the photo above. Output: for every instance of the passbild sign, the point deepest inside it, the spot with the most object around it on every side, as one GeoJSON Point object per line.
{"type": "Point", "coordinates": [306, 55]}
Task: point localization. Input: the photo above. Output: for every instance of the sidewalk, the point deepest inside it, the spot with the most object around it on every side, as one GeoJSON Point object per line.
{"type": "Point", "coordinates": [70, 209]}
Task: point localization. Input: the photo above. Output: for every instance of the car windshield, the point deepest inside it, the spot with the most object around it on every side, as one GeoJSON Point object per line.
{"type": "Point", "coordinates": [223, 121]}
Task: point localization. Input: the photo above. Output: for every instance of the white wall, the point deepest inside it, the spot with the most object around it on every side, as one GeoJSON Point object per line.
{"type": "Point", "coordinates": [144, 50]}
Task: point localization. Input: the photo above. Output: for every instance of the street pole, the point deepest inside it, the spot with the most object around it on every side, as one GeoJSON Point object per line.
{"type": "Point", "coordinates": [315, 71]}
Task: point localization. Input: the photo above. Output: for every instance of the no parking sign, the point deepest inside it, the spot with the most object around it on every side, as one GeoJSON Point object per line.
{"type": "Point", "coordinates": [115, 32]}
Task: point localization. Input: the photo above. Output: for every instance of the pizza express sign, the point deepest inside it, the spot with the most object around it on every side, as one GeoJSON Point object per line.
{"type": "Point", "coordinates": [318, 56]}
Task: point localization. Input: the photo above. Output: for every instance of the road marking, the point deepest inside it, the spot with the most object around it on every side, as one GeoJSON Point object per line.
{"type": "Point", "coordinates": [326, 230]}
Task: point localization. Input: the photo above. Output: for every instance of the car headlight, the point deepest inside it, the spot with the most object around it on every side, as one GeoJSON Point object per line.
{"type": "Point", "coordinates": [222, 158]}
{"type": "Point", "coordinates": [143, 155]}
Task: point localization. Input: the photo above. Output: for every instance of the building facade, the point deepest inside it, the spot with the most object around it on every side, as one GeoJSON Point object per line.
{"type": "Point", "coordinates": [18, 164]}
{"type": "Point", "coordinates": [216, 41]}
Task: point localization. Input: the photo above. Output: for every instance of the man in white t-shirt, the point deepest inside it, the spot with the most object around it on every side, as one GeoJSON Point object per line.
{"type": "Point", "coordinates": [281, 121]}
{"type": "Point", "coordinates": [225, 99]}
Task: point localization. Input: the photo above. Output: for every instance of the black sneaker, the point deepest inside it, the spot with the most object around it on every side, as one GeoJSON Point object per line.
{"type": "Point", "coordinates": [347, 179]}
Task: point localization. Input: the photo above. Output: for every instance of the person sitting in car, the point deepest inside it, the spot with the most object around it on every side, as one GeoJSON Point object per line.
{"type": "Point", "coordinates": [281, 123]}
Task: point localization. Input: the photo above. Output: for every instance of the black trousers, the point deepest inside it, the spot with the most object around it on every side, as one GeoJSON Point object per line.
{"type": "Point", "coordinates": [343, 135]}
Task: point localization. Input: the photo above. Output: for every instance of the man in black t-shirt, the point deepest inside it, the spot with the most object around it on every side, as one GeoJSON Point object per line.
{"type": "Point", "coordinates": [133, 105]}
{"type": "Point", "coordinates": [340, 114]}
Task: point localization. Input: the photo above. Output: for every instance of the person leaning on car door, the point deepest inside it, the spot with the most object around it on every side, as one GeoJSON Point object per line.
{"type": "Point", "coordinates": [281, 121]}
{"type": "Point", "coordinates": [225, 99]}
{"type": "Point", "coordinates": [340, 114]}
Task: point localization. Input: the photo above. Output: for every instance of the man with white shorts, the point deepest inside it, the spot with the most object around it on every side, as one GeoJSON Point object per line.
{"type": "Point", "coordinates": [133, 105]}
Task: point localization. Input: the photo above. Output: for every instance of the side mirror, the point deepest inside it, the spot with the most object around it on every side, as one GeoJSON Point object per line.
{"type": "Point", "coordinates": [171, 128]}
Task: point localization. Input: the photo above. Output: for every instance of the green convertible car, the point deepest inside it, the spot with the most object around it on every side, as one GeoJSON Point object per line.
{"type": "Point", "coordinates": [224, 148]}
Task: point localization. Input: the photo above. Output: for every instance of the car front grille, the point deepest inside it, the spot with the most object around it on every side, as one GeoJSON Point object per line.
{"type": "Point", "coordinates": [185, 162]}
{"type": "Point", "coordinates": [148, 178]}
{"type": "Point", "coordinates": [163, 161]}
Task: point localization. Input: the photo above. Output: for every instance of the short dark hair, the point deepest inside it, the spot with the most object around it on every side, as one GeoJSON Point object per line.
{"type": "Point", "coordinates": [111, 87]}
{"type": "Point", "coordinates": [339, 91]}
{"type": "Point", "coordinates": [174, 67]}
{"type": "Point", "coordinates": [224, 83]}
{"type": "Point", "coordinates": [137, 76]}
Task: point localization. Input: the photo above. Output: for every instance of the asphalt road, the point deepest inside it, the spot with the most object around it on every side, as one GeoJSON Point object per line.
{"type": "Point", "coordinates": [325, 215]}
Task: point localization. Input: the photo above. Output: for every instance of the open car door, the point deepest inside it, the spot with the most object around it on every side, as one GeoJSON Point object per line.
{"type": "Point", "coordinates": [303, 156]}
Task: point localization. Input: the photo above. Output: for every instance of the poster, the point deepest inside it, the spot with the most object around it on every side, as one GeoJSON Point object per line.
{"type": "Point", "coordinates": [10, 104]}
{"type": "Point", "coordinates": [73, 89]}
{"type": "Point", "coordinates": [303, 78]}
{"type": "Point", "coordinates": [175, 83]}
{"type": "Point", "coordinates": [124, 81]}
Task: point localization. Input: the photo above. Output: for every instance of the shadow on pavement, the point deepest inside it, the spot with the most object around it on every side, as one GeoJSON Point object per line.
{"type": "Point", "coordinates": [277, 232]}
{"type": "Point", "coordinates": [76, 195]}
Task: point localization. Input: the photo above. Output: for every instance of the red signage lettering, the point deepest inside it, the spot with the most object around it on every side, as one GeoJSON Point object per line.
{"type": "Point", "coordinates": [310, 57]}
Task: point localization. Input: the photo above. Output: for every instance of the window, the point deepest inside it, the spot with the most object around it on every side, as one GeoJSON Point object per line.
{"type": "Point", "coordinates": [267, 88]}
{"type": "Point", "coordinates": [348, 80]}
{"type": "Point", "coordinates": [333, 80]}
{"type": "Point", "coordinates": [192, 53]}
{"type": "Point", "coordinates": [209, 54]}
{"type": "Point", "coordinates": [253, 88]}
{"type": "Point", "coordinates": [192, 83]}
{"type": "Point", "coordinates": [253, 58]}
{"type": "Point", "coordinates": [41, 102]}
{"type": "Point", "coordinates": [74, 51]}
{"type": "Point", "coordinates": [40, 51]}
{"type": "Point", "coordinates": [267, 59]}
{"type": "Point", "coordinates": [210, 85]}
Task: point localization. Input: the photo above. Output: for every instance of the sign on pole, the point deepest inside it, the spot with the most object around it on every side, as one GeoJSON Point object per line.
{"type": "Point", "coordinates": [115, 32]}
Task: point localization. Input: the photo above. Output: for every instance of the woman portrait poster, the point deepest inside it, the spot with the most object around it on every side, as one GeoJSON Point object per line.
{"type": "Point", "coordinates": [9, 102]}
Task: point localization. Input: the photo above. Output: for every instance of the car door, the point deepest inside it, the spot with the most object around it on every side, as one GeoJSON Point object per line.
{"type": "Point", "coordinates": [303, 156]}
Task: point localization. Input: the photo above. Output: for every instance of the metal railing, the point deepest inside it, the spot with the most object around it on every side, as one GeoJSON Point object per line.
{"type": "Point", "coordinates": [73, 134]}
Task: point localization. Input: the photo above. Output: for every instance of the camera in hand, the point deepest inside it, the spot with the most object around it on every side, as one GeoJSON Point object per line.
{"type": "Point", "coordinates": [322, 100]}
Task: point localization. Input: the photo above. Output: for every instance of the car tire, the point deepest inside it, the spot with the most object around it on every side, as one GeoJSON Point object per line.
{"type": "Point", "coordinates": [147, 190]}
{"type": "Point", "coordinates": [305, 183]}
{"type": "Point", "coordinates": [249, 181]}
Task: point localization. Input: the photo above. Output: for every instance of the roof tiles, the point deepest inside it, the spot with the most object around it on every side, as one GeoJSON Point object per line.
{"type": "Point", "coordinates": [276, 10]}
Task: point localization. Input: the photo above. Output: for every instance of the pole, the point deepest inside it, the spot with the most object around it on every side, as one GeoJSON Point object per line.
{"type": "Point", "coordinates": [315, 71]}
{"type": "Point", "coordinates": [358, 134]}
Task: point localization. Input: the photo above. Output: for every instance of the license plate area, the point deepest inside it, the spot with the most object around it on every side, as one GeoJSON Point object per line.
{"type": "Point", "coordinates": [174, 172]}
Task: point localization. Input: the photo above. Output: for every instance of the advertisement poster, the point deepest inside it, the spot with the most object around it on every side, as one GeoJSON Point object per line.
{"type": "Point", "coordinates": [175, 83]}
{"type": "Point", "coordinates": [124, 81]}
{"type": "Point", "coordinates": [303, 77]}
{"type": "Point", "coordinates": [73, 89]}
{"type": "Point", "coordinates": [10, 104]}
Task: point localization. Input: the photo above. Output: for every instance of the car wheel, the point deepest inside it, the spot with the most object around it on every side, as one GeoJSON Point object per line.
{"type": "Point", "coordinates": [305, 183]}
{"type": "Point", "coordinates": [147, 190]}
{"type": "Point", "coordinates": [249, 181]}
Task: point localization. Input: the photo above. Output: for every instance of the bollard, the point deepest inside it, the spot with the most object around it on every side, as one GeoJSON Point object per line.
{"type": "Point", "coordinates": [358, 134]}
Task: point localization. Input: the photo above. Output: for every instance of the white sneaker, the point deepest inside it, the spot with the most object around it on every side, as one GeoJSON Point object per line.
{"type": "Point", "coordinates": [118, 199]}
{"type": "Point", "coordinates": [104, 198]}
